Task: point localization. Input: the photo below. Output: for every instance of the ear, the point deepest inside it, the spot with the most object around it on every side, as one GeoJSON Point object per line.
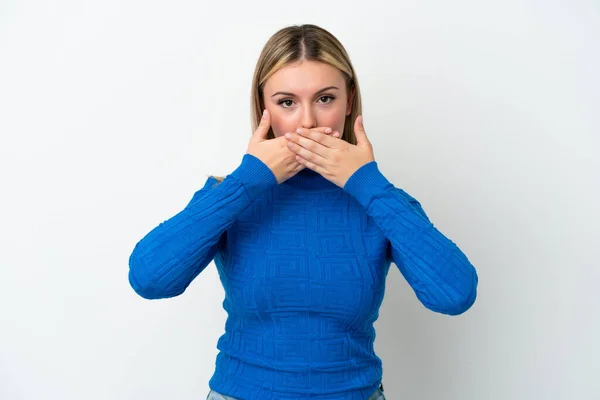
{"type": "Point", "coordinates": [350, 101]}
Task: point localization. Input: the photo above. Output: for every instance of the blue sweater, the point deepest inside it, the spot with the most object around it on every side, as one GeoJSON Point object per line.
{"type": "Point", "coordinates": [303, 265]}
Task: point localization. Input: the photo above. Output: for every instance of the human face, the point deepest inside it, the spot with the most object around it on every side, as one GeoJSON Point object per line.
{"type": "Point", "coordinates": [295, 99]}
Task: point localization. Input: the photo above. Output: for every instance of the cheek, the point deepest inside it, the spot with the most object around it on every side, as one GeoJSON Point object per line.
{"type": "Point", "coordinates": [334, 120]}
{"type": "Point", "coordinates": [281, 125]}
{"type": "Point", "coordinates": [278, 128]}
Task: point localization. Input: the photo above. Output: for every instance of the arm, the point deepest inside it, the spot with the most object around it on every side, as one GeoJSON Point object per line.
{"type": "Point", "coordinates": [165, 261]}
{"type": "Point", "coordinates": [440, 274]}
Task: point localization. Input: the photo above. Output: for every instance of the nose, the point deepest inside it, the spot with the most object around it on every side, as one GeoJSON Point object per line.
{"type": "Point", "coordinates": [308, 119]}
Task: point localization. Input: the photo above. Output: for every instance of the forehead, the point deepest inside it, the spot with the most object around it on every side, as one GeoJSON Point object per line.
{"type": "Point", "coordinates": [304, 78]}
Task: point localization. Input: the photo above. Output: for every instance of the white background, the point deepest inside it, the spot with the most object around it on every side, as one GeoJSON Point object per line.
{"type": "Point", "coordinates": [112, 113]}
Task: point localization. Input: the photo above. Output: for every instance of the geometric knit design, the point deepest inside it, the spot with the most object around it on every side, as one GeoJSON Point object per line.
{"type": "Point", "coordinates": [303, 265]}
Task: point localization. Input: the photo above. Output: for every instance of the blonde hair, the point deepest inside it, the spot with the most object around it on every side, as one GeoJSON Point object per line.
{"type": "Point", "coordinates": [298, 43]}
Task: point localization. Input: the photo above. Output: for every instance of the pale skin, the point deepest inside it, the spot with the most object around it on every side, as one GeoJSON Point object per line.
{"type": "Point", "coordinates": [311, 119]}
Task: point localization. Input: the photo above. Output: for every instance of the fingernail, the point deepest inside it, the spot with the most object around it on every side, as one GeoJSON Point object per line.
{"type": "Point", "coordinates": [264, 113]}
{"type": "Point", "coordinates": [327, 130]}
{"type": "Point", "coordinates": [299, 130]}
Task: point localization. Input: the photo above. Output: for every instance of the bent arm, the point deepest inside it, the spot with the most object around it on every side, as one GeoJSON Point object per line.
{"type": "Point", "coordinates": [440, 274]}
{"type": "Point", "coordinates": [168, 258]}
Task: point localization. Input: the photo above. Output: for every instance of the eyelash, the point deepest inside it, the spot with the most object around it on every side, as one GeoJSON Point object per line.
{"type": "Point", "coordinates": [280, 102]}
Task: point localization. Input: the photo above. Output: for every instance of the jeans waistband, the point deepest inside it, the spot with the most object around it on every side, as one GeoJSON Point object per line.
{"type": "Point", "coordinates": [232, 398]}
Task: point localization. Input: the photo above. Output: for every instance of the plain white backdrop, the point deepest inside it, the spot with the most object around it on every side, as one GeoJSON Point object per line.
{"type": "Point", "coordinates": [113, 113]}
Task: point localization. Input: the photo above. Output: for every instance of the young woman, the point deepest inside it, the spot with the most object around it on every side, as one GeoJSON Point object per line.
{"type": "Point", "coordinates": [303, 233]}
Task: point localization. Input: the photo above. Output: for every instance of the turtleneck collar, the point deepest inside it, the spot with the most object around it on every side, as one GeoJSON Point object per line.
{"type": "Point", "coordinates": [307, 179]}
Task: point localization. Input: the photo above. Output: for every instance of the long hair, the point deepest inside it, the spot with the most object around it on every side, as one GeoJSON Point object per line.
{"type": "Point", "coordinates": [298, 43]}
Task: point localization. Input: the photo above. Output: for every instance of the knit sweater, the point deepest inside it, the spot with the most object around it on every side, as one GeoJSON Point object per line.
{"type": "Point", "coordinates": [303, 265]}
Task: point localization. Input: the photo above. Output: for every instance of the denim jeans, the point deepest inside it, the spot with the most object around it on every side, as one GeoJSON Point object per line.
{"type": "Point", "coordinates": [214, 395]}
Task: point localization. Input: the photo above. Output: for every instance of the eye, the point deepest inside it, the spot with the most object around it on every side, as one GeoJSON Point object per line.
{"type": "Point", "coordinates": [287, 105]}
{"type": "Point", "coordinates": [327, 97]}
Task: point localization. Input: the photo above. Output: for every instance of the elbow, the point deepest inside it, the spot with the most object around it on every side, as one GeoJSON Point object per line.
{"type": "Point", "coordinates": [461, 304]}
{"type": "Point", "coordinates": [144, 282]}
{"type": "Point", "coordinates": [143, 287]}
{"type": "Point", "coordinates": [147, 289]}
{"type": "Point", "coordinates": [457, 301]}
{"type": "Point", "coordinates": [462, 299]}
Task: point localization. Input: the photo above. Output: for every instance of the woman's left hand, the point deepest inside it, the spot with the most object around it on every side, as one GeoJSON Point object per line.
{"type": "Point", "coordinates": [335, 159]}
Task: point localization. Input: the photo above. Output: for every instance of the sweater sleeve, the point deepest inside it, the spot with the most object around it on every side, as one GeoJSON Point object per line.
{"type": "Point", "coordinates": [166, 260]}
{"type": "Point", "coordinates": [440, 274]}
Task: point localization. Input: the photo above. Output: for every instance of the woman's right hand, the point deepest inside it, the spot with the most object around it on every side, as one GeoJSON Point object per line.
{"type": "Point", "coordinates": [275, 152]}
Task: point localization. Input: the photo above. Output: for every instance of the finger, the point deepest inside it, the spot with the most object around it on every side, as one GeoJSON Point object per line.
{"type": "Point", "coordinates": [314, 152]}
{"type": "Point", "coordinates": [323, 129]}
{"type": "Point", "coordinates": [325, 140]}
{"type": "Point", "coordinates": [359, 131]}
{"type": "Point", "coordinates": [263, 127]}
{"type": "Point", "coordinates": [299, 167]}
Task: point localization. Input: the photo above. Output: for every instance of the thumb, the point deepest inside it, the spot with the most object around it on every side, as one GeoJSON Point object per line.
{"type": "Point", "coordinates": [359, 131]}
{"type": "Point", "coordinates": [263, 127]}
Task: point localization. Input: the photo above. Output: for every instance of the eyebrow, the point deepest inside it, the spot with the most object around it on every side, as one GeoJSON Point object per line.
{"type": "Point", "coordinates": [320, 91]}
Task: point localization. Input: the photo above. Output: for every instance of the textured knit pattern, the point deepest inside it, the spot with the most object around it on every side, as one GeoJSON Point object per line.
{"type": "Point", "coordinates": [303, 265]}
